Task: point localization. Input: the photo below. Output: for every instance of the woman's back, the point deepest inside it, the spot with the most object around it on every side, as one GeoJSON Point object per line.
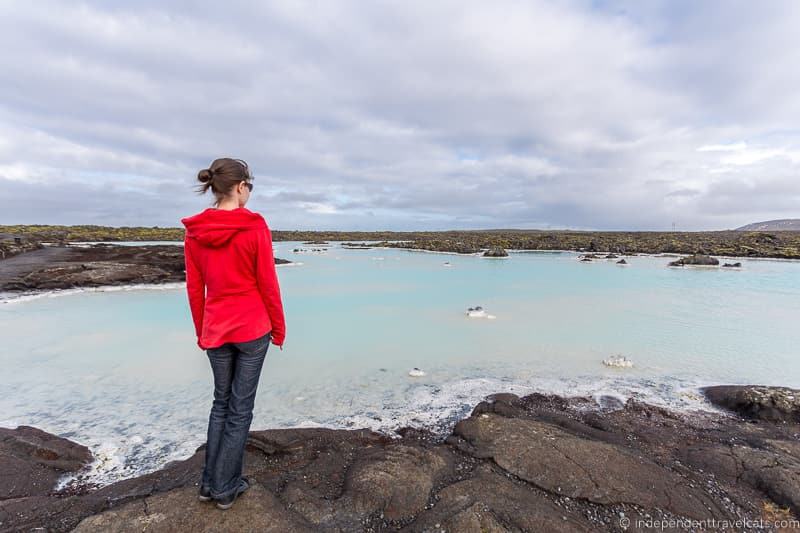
{"type": "Point", "coordinates": [230, 277]}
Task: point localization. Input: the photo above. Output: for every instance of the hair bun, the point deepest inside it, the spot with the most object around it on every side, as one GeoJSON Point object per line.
{"type": "Point", "coordinates": [205, 175]}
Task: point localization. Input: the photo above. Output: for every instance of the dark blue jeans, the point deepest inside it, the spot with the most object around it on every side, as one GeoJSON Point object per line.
{"type": "Point", "coordinates": [237, 368]}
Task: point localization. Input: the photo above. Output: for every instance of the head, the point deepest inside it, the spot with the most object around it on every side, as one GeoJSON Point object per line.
{"type": "Point", "coordinates": [230, 181]}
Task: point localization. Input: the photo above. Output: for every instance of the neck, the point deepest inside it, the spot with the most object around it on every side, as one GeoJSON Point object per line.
{"type": "Point", "coordinates": [228, 205]}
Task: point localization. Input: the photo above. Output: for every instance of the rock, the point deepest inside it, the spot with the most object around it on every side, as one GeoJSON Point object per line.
{"type": "Point", "coordinates": [416, 372]}
{"type": "Point", "coordinates": [533, 463]}
{"type": "Point", "coordinates": [64, 267]}
{"type": "Point", "coordinates": [732, 265]}
{"type": "Point", "coordinates": [769, 470]}
{"type": "Point", "coordinates": [180, 510]}
{"type": "Point", "coordinates": [612, 256]}
{"type": "Point", "coordinates": [696, 259]}
{"type": "Point", "coordinates": [490, 501]}
{"type": "Point", "coordinates": [622, 262]}
{"type": "Point", "coordinates": [564, 464]}
{"type": "Point", "coordinates": [773, 404]}
{"type": "Point", "coordinates": [32, 461]}
{"type": "Point", "coordinates": [395, 482]}
{"type": "Point", "coordinates": [11, 245]}
{"type": "Point", "coordinates": [618, 361]}
{"type": "Point", "coordinates": [495, 252]}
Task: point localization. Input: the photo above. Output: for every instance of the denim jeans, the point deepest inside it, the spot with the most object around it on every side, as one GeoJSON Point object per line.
{"type": "Point", "coordinates": [237, 368]}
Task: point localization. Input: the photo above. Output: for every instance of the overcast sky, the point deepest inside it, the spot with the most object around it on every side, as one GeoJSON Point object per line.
{"type": "Point", "coordinates": [404, 115]}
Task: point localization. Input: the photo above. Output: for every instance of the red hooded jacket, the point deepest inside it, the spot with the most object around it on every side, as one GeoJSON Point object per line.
{"type": "Point", "coordinates": [231, 281]}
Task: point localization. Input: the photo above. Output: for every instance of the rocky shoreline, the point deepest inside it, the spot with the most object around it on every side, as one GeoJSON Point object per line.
{"type": "Point", "coordinates": [778, 245]}
{"type": "Point", "coordinates": [533, 463]}
{"type": "Point", "coordinates": [68, 266]}
{"type": "Point", "coordinates": [756, 243]}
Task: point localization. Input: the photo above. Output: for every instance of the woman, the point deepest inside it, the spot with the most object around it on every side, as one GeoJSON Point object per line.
{"type": "Point", "coordinates": [237, 311]}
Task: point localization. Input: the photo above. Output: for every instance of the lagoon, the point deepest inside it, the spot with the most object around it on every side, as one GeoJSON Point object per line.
{"type": "Point", "coordinates": [119, 371]}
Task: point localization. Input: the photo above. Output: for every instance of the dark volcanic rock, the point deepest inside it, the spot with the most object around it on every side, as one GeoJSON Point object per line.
{"type": "Point", "coordinates": [32, 461]}
{"type": "Point", "coordinates": [562, 463]}
{"type": "Point", "coordinates": [732, 265]}
{"type": "Point", "coordinates": [495, 252]}
{"type": "Point", "coordinates": [696, 259]}
{"type": "Point", "coordinates": [773, 467]}
{"type": "Point", "coordinates": [395, 482]}
{"type": "Point", "coordinates": [64, 267]}
{"type": "Point", "coordinates": [178, 510]}
{"type": "Point", "coordinates": [622, 262]}
{"type": "Point", "coordinates": [488, 500]}
{"type": "Point", "coordinates": [774, 404]}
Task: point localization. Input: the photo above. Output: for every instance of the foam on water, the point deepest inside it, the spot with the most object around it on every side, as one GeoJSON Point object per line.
{"type": "Point", "coordinates": [432, 406]}
{"type": "Point", "coordinates": [11, 298]}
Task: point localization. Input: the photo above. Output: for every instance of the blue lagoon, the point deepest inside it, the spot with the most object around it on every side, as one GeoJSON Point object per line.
{"type": "Point", "coordinates": [119, 371]}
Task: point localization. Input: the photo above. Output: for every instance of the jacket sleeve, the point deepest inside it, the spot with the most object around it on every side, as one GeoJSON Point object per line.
{"type": "Point", "coordinates": [195, 288]}
{"type": "Point", "coordinates": [268, 286]}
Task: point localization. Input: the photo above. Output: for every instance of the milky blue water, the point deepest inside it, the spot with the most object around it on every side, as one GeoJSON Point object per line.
{"type": "Point", "coordinates": [120, 372]}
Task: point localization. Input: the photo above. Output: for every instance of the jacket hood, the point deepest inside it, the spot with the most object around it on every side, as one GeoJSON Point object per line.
{"type": "Point", "coordinates": [215, 227]}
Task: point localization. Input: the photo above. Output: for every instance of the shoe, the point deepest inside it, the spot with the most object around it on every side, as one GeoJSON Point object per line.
{"type": "Point", "coordinates": [205, 494]}
{"type": "Point", "coordinates": [227, 501]}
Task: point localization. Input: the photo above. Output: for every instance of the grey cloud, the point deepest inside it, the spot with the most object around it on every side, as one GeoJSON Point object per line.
{"type": "Point", "coordinates": [389, 116]}
{"type": "Point", "coordinates": [683, 192]}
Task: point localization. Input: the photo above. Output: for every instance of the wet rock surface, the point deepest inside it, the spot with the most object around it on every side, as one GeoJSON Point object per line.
{"type": "Point", "coordinates": [32, 461]}
{"type": "Point", "coordinates": [533, 463]}
{"type": "Point", "coordinates": [65, 267]}
{"type": "Point", "coordinates": [773, 404]}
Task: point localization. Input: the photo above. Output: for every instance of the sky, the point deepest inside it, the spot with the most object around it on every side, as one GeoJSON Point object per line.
{"type": "Point", "coordinates": [407, 115]}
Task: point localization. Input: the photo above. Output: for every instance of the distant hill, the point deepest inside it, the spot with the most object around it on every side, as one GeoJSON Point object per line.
{"type": "Point", "coordinates": [786, 224]}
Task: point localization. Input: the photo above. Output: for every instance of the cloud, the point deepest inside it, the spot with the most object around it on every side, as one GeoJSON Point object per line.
{"type": "Point", "coordinates": [420, 115]}
{"type": "Point", "coordinates": [723, 147]}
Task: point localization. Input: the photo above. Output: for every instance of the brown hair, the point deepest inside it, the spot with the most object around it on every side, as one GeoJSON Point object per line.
{"type": "Point", "coordinates": [223, 175]}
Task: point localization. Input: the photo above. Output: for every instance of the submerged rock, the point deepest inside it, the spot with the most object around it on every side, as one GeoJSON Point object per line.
{"type": "Point", "coordinates": [696, 259]}
{"type": "Point", "coordinates": [495, 252]}
{"type": "Point", "coordinates": [619, 361]}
